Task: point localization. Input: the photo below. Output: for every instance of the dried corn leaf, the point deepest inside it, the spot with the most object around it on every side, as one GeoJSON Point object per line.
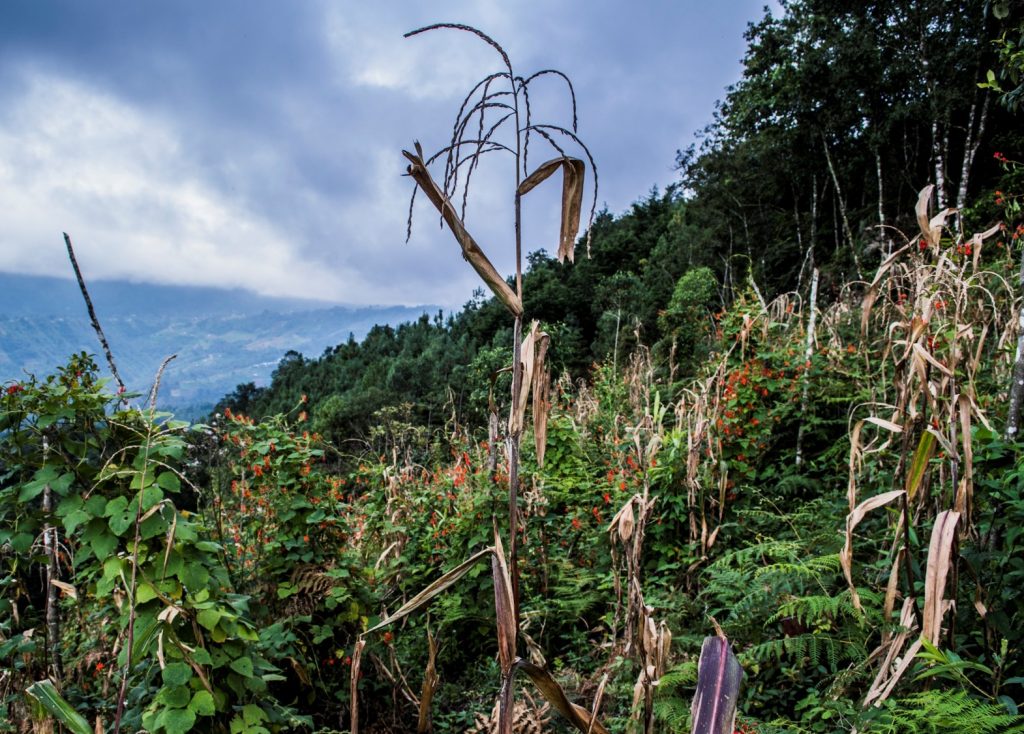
{"type": "Point", "coordinates": [598, 698]}
{"type": "Point", "coordinates": [470, 249]}
{"type": "Point", "coordinates": [572, 198]}
{"type": "Point", "coordinates": [65, 588]}
{"type": "Point", "coordinates": [965, 492]}
{"type": "Point", "coordinates": [926, 355]}
{"type": "Point", "coordinates": [541, 404]}
{"type": "Point", "coordinates": [718, 685]}
{"type": "Point", "coordinates": [940, 559]}
{"type": "Point", "coordinates": [922, 211]}
{"type": "Point", "coordinates": [527, 355]}
{"type": "Point", "coordinates": [977, 241]}
{"type": "Point", "coordinates": [435, 588]}
{"type": "Point", "coordinates": [887, 425]}
{"type": "Point", "coordinates": [872, 293]}
{"type": "Point", "coordinates": [623, 522]}
{"type": "Point", "coordinates": [553, 693]}
{"type": "Point", "coordinates": [504, 607]}
{"type": "Point", "coordinates": [852, 520]}
{"type": "Point", "coordinates": [893, 668]}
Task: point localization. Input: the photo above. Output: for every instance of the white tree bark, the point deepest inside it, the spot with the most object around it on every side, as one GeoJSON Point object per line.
{"type": "Point", "coordinates": [808, 353]}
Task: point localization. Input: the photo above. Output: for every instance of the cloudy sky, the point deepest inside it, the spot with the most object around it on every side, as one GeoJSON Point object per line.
{"type": "Point", "coordinates": [257, 143]}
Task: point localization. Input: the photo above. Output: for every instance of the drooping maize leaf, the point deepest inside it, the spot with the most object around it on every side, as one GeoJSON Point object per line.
{"type": "Point", "coordinates": [433, 589]}
{"type": "Point", "coordinates": [872, 293]}
{"type": "Point", "coordinates": [553, 694]}
{"type": "Point", "coordinates": [940, 560]}
{"type": "Point", "coordinates": [541, 403]}
{"type": "Point", "coordinates": [718, 686]}
{"type": "Point", "coordinates": [572, 198]}
{"type": "Point", "coordinates": [45, 693]}
{"type": "Point", "coordinates": [504, 606]}
{"type": "Point", "coordinates": [852, 520]}
{"type": "Point", "coordinates": [470, 249]}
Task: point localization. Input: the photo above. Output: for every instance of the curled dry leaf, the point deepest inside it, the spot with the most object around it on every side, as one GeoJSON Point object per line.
{"type": "Point", "coordinates": [553, 693]}
{"type": "Point", "coordinates": [940, 559]}
{"type": "Point", "coordinates": [435, 588]}
{"type": "Point", "coordinates": [470, 249]}
{"type": "Point", "coordinates": [572, 198]}
{"type": "Point", "coordinates": [852, 520]}
{"type": "Point", "coordinates": [623, 522]}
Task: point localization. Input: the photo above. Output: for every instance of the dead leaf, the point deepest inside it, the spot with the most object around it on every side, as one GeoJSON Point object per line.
{"type": "Point", "coordinates": [940, 560]}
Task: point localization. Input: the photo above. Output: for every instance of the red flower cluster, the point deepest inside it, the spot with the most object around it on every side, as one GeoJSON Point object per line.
{"type": "Point", "coordinates": [1000, 157]}
{"type": "Point", "coordinates": [14, 389]}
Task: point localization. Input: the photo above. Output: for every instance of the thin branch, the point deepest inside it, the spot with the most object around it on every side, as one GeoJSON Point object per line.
{"type": "Point", "coordinates": [92, 316]}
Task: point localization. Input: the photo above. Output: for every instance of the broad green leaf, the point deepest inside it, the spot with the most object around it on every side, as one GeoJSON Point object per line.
{"type": "Point", "coordinates": [242, 666]}
{"type": "Point", "coordinates": [116, 506]}
{"type": "Point", "coordinates": [46, 694]}
{"type": "Point", "coordinates": [76, 518]}
{"type": "Point", "coordinates": [176, 696]}
{"type": "Point", "coordinates": [145, 593]}
{"type": "Point", "coordinates": [208, 618]}
{"type": "Point", "coordinates": [169, 480]}
{"type": "Point", "coordinates": [177, 721]}
{"type": "Point", "coordinates": [176, 674]}
{"type": "Point", "coordinates": [202, 704]}
{"type": "Point", "coordinates": [253, 714]}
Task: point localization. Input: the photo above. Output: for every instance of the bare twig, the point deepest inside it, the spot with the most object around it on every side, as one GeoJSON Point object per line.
{"type": "Point", "coordinates": [92, 317]}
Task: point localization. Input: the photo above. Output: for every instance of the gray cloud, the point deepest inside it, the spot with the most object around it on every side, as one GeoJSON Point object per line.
{"type": "Point", "coordinates": [257, 144]}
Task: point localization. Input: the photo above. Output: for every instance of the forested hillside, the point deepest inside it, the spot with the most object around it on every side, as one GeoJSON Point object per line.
{"type": "Point", "coordinates": [776, 404]}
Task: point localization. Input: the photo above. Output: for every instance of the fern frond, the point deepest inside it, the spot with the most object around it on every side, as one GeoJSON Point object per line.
{"type": "Point", "coordinates": [942, 711]}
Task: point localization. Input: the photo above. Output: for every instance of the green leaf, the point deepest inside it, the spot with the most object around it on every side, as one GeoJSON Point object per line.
{"type": "Point", "coordinates": [46, 694]}
{"type": "Point", "coordinates": [150, 497]}
{"type": "Point", "coordinates": [176, 674]}
{"type": "Point", "coordinates": [253, 714]}
{"type": "Point", "coordinates": [177, 721]}
{"type": "Point", "coordinates": [103, 544]}
{"type": "Point", "coordinates": [145, 593]}
{"type": "Point", "coordinates": [116, 506]}
{"type": "Point", "coordinates": [175, 696]}
{"type": "Point", "coordinates": [76, 518]}
{"type": "Point", "coordinates": [141, 480]}
{"type": "Point", "coordinates": [169, 481]}
{"type": "Point", "coordinates": [194, 576]}
{"type": "Point", "coordinates": [119, 524]}
{"type": "Point", "coordinates": [242, 666]}
{"type": "Point", "coordinates": [208, 618]}
{"type": "Point", "coordinates": [202, 704]}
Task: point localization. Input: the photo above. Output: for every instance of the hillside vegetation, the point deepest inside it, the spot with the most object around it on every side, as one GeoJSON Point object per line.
{"type": "Point", "coordinates": [780, 403]}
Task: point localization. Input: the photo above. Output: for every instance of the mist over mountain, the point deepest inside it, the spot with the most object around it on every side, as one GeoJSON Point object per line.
{"type": "Point", "coordinates": [222, 337]}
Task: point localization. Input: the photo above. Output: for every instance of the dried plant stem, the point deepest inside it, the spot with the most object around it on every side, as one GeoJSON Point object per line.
{"type": "Point", "coordinates": [513, 467]}
{"type": "Point", "coordinates": [92, 316]}
{"type": "Point", "coordinates": [1017, 381]}
{"type": "Point", "coordinates": [52, 573]}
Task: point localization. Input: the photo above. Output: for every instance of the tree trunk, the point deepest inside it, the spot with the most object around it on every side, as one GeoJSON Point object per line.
{"type": "Point", "coordinates": [940, 166]}
{"type": "Point", "coordinates": [1017, 381]}
{"type": "Point", "coordinates": [808, 353]}
{"type": "Point", "coordinates": [883, 233]}
{"type": "Point", "coordinates": [971, 143]}
{"type": "Point", "coordinates": [842, 207]}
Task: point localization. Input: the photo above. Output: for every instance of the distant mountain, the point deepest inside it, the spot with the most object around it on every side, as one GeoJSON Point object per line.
{"type": "Point", "coordinates": [222, 337]}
